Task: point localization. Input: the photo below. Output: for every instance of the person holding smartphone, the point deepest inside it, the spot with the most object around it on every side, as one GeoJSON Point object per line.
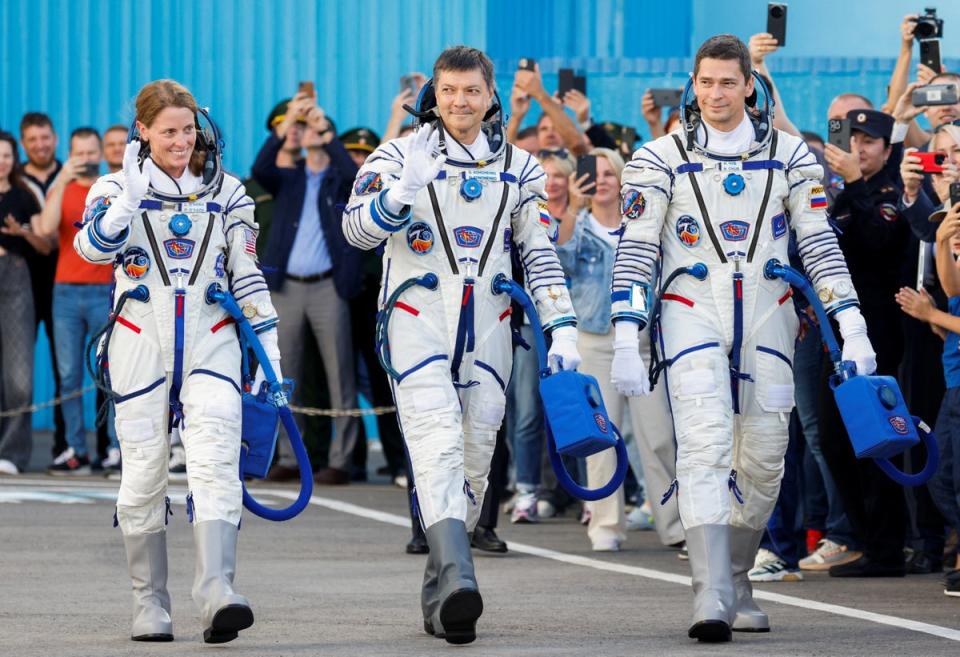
{"type": "Point", "coordinates": [587, 251]}
{"type": "Point", "coordinates": [945, 484]}
{"type": "Point", "coordinates": [81, 298]}
{"type": "Point", "coordinates": [915, 203]}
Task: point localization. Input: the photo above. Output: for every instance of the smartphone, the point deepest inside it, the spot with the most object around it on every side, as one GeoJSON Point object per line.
{"type": "Point", "coordinates": [839, 133]}
{"type": "Point", "coordinates": [934, 94]}
{"type": "Point", "coordinates": [954, 193]}
{"type": "Point", "coordinates": [930, 54]}
{"type": "Point", "coordinates": [587, 164]}
{"type": "Point", "coordinates": [306, 87]}
{"type": "Point", "coordinates": [527, 64]}
{"type": "Point", "coordinates": [932, 162]}
{"type": "Point", "coordinates": [667, 97]}
{"type": "Point", "coordinates": [777, 22]}
{"type": "Point", "coordinates": [580, 83]}
{"type": "Point", "coordinates": [566, 81]}
{"type": "Point", "coordinates": [89, 170]}
{"type": "Point", "coordinates": [409, 83]}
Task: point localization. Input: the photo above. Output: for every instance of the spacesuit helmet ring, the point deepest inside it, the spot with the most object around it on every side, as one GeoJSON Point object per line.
{"type": "Point", "coordinates": [209, 141]}
{"type": "Point", "coordinates": [759, 107]}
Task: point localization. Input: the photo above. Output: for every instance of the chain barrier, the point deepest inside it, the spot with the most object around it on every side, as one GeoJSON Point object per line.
{"type": "Point", "coordinates": [300, 410]}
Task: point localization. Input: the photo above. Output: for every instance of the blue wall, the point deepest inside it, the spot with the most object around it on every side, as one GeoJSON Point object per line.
{"type": "Point", "coordinates": [82, 61]}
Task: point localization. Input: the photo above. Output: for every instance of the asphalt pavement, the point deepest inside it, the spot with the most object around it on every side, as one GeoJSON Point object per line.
{"type": "Point", "coordinates": [336, 581]}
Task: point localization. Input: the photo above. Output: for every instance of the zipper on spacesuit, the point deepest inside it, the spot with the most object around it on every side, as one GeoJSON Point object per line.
{"type": "Point", "coordinates": [465, 331]}
{"type": "Point", "coordinates": [737, 347]}
{"type": "Point", "coordinates": [179, 300]}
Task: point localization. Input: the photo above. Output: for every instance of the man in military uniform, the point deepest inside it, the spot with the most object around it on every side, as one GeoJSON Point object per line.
{"type": "Point", "coordinates": [360, 143]}
{"type": "Point", "coordinates": [874, 238]}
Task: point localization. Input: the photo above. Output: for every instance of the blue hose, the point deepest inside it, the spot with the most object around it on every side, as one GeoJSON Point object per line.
{"type": "Point", "coordinates": [845, 370]}
{"type": "Point", "coordinates": [429, 281]}
{"type": "Point", "coordinates": [216, 294]}
{"type": "Point", "coordinates": [503, 285]}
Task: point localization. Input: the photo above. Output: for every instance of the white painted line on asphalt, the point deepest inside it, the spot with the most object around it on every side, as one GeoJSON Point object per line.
{"type": "Point", "coordinates": [596, 564]}
{"type": "Point", "coordinates": [572, 559]}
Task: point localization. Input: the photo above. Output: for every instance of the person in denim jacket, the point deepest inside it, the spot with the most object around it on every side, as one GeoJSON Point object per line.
{"type": "Point", "coordinates": [586, 247]}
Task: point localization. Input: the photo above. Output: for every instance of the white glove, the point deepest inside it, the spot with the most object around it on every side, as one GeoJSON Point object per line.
{"type": "Point", "coordinates": [628, 373]}
{"type": "Point", "coordinates": [135, 184]}
{"type": "Point", "coordinates": [261, 375]}
{"type": "Point", "coordinates": [420, 167]}
{"type": "Point", "coordinates": [856, 344]}
{"type": "Point", "coordinates": [563, 354]}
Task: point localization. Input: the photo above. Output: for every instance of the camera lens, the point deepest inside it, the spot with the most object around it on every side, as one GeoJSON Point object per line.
{"type": "Point", "coordinates": [776, 11]}
{"type": "Point", "coordinates": [939, 158]}
{"type": "Point", "coordinates": [924, 29]}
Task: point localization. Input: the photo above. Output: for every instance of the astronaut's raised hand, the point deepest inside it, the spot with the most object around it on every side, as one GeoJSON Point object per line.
{"type": "Point", "coordinates": [123, 208]}
{"type": "Point", "coordinates": [136, 180]}
{"type": "Point", "coordinates": [420, 165]}
{"type": "Point", "coordinates": [628, 372]}
{"type": "Point", "coordinates": [563, 354]}
{"type": "Point", "coordinates": [261, 376]}
{"type": "Point", "coordinates": [856, 344]}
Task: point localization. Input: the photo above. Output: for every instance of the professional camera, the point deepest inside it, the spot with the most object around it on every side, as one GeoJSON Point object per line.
{"type": "Point", "coordinates": [928, 25]}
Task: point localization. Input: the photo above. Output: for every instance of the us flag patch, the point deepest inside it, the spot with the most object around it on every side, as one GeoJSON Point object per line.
{"type": "Point", "coordinates": [249, 242]}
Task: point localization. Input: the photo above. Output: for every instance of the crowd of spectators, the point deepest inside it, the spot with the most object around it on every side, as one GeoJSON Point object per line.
{"type": "Point", "coordinates": [895, 209]}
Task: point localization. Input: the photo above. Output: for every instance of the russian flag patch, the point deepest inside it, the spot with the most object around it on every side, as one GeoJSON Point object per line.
{"type": "Point", "coordinates": [818, 200]}
{"type": "Point", "coordinates": [545, 217]}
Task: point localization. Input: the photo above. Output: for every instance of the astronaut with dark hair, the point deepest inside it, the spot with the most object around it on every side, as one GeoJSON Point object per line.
{"type": "Point", "coordinates": [452, 200]}
{"type": "Point", "coordinates": [713, 203]}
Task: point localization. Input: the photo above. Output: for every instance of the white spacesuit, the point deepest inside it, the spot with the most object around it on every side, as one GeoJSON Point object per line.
{"type": "Point", "coordinates": [451, 347]}
{"type": "Point", "coordinates": [174, 360]}
{"type": "Point", "coordinates": [727, 340]}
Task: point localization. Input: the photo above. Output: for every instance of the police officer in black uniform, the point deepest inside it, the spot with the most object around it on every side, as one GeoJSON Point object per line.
{"type": "Point", "coordinates": [874, 238]}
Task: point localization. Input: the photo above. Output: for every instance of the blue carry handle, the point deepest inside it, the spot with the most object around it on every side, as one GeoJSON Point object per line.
{"type": "Point", "coordinates": [872, 407]}
{"type": "Point", "coordinates": [276, 396]}
{"type": "Point", "coordinates": [503, 285]}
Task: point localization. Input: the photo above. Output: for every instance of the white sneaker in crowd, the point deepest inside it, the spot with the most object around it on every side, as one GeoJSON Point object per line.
{"type": "Point", "coordinates": [525, 508]}
{"type": "Point", "coordinates": [606, 544]}
{"type": "Point", "coordinates": [69, 463]}
{"type": "Point", "coordinates": [641, 518]}
{"type": "Point", "coordinates": [8, 468]}
{"type": "Point", "coordinates": [112, 464]}
{"type": "Point", "coordinates": [768, 567]}
{"type": "Point", "coordinates": [829, 553]}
